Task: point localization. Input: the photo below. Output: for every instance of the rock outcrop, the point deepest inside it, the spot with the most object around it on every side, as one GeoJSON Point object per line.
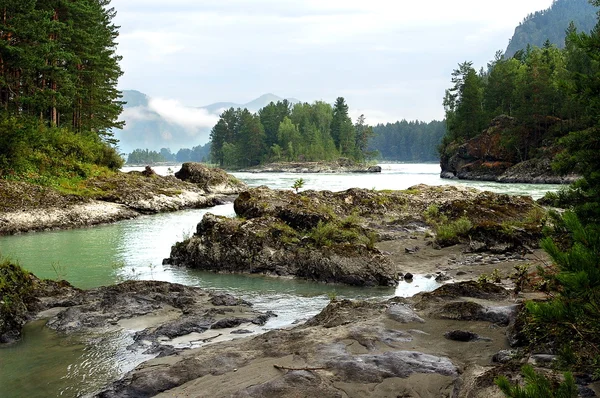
{"type": "Point", "coordinates": [109, 198]}
{"type": "Point", "coordinates": [267, 245]}
{"type": "Point", "coordinates": [485, 158]}
{"type": "Point", "coordinates": [331, 237]}
{"type": "Point", "coordinates": [210, 179]}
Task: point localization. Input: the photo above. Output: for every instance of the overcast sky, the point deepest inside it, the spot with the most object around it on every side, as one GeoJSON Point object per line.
{"type": "Point", "coordinates": [389, 59]}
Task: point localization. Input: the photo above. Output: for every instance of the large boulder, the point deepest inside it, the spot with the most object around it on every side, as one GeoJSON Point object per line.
{"type": "Point", "coordinates": [212, 180]}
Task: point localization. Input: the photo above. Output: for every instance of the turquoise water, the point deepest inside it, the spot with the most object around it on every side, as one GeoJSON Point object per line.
{"type": "Point", "coordinates": [45, 364]}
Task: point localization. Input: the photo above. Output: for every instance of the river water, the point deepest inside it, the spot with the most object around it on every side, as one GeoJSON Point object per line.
{"type": "Point", "coordinates": [45, 364]}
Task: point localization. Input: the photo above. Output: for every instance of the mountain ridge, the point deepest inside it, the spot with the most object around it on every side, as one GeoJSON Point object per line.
{"type": "Point", "coordinates": [551, 24]}
{"type": "Point", "coordinates": [148, 125]}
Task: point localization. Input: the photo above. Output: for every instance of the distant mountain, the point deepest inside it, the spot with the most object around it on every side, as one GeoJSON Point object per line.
{"type": "Point", "coordinates": [551, 24]}
{"type": "Point", "coordinates": [154, 124]}
{"type": "Point", "coordinates": [252, 106]}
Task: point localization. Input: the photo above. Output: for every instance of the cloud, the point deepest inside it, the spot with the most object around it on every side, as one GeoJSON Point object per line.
{"type": "Point", "coordinates": [137, 113]}
{"type": "Point", "coordinates": [192, 119]}
{"type": "Point", "coordinates": [230, 50]}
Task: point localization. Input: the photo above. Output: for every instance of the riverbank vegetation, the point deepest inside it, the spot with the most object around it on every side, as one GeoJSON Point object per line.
{"type": "Point", "coordinates": [58, 96]}
{"type": "Point", "coordinates": [555, 97]}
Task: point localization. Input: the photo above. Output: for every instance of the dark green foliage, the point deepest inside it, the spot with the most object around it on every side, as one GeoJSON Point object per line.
{"type": "Point", "coordinates": [16, 287]}
{"type": "Point", "coordinates": [569, 321]}
{"type": "Point", "coordinates": [550, 24]}
{"type": "Point", "coordinates": [144, 156]}
{"type": "Point", "coordinates": [551, 94]}
{"type": "Point", "coordinates": [40, 154]}
{"type": "Point", "coordinates": [408, 141]}
{"type": "Point", "coordinates": [59, 63]}
{"type": "Point", "coordinates": [537, 385]}
{"type": "Point", "coordinates": [58, 96]}
{"type": "Point", "coordinates": [304, 132]}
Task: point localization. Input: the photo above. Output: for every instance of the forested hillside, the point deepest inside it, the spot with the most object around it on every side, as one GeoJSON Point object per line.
{"type": "Point", "coordinates": [405, 141]}
{"type": "Point", "coordinates": [58, 96]}
{"type": "Point", "coordinates": [280, 131]}
{"type": "Point", "coordinates": [549, 99]}
{"type": "Point", "coordinates": [551, 24]}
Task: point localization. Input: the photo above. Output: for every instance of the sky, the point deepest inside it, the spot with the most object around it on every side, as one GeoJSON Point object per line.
{"type": "Point", "coordinates": [390, 60]}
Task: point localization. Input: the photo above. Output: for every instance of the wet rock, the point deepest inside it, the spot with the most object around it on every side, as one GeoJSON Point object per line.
{"type": "Point", "coordinates": [241, 331]}
{"type": "Point", "coordinates": [487, 291]}
{"type": "Point", "coordinates": [461, 335]}
{"type": "Point", "coordinates": [442, 277]}
{"type": "Point", "coordinates": [103, 306]}
{"type": "Point", "coordinates": [515, 332]}
{"type": "Point", "coordinates": [148, 172]}
{"type": "Point", "coordinates": [223, 299]}
{"type": "Point", "coordinates": [408, 276]}
{"type": "Point", "coordinates": [229, 323]}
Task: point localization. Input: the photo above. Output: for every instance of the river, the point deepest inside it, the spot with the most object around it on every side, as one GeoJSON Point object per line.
{"type": "Point", "coordinates": [45, 364]}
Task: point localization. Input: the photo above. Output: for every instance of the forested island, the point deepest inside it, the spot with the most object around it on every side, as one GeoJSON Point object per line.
{"type": "Point", "coordinates": [402, 141]}
{"type": "Point", "coordinates": [280, 131]}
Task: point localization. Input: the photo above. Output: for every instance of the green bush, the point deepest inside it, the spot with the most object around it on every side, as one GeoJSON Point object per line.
{"type": "Point", "coordinates": [569, 321]}
{"type": "Point", "coordinates": [32, 152]}
{"type": "Point", "coordinates": [16, 288]}
{"type": "Point", "coordinates": [329, 233]}
{"type": "Point", "coordinates": [537, 386]}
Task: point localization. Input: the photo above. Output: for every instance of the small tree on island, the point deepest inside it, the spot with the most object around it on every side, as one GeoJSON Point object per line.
{"type": "Point", "coordinates": [299, 183]}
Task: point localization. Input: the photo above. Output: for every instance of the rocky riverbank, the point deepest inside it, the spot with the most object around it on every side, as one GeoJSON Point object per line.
{"type": "Point", "coordinates": [344, 236]}
{"type": "Point", "coordinates": [485, 158]}
{"type": "Point", "coordinates": [339, 166]}
{"type": "Point", "coordinates": [161, 311]}
{"type": "Point", "coordinates": [449, 343]}
{"type": "Point", "coordinates": [105, 199]}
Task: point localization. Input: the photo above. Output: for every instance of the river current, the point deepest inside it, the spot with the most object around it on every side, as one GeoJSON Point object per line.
{"type": "Point", "coordinates": [45, 364]}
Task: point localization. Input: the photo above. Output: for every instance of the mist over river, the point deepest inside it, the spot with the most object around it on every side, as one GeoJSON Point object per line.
{"type": "Point", "coordinates": [45, 364]}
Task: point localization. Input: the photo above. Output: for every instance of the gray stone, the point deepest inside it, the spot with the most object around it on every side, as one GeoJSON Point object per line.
{"type": "Point", "coordinates": [403, 314]}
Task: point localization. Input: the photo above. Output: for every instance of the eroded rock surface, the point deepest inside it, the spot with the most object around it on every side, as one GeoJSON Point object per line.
{"type": "Point", "coordinates": [351, 348]}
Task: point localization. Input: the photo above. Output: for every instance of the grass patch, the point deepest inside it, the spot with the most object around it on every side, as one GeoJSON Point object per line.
{"type": "Point", "coordinates": [346, 231]}
{"type": "Point", "coordinates": [447, 232]}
